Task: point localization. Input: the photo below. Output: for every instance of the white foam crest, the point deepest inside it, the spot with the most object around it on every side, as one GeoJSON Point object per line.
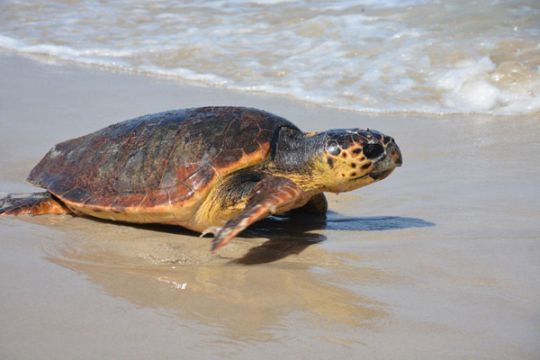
{"type": "Point", "coordinates": [186, 74]}
{"type": "Point", "coordinates": [66, 52]}
{"type": "Point", "coordinates": [466, 86]}
{"type": "Point", "coordinates": [470, 86]}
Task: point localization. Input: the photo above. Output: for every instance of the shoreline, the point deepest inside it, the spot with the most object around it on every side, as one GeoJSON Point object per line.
{"type": "Point", "coordinates": [436, 259]}
{"type": "Point", "coordinates": [200, 85]}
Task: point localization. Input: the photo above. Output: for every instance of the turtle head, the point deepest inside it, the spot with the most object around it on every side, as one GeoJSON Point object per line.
{"type": "Point", "coordinates": [352, 158]}
{"type": "Point", "coordinates": [335, 160]}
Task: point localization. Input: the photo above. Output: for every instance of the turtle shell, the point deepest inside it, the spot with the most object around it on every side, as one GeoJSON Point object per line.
{"type": "Point", "coordinates": [160, 159]}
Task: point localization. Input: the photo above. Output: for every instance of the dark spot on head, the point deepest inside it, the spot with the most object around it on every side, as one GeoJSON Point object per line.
{"type": "Point", "coordinates": [353, 174]}
{"type": "Point", "coordinates": [353, 165]}
{"type": "Point", "coordinates": [365, 166]}
{"type": "Point", "coordinates": [362, 158]}
{"type": "Point", "coordinates": [343, 175]}
{"type": "Point", "coordinates": [344, 154]}
{"type": "Point", "coordinates": [330, 161]}
{"type": "Point", "coordinates": [357, 151]}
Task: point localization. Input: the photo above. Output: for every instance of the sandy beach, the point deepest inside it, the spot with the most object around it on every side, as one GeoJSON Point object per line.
{"type": "Point", "coordinates": [440, 260]}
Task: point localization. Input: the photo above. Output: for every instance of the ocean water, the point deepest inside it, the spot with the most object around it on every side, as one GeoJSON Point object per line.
{"type": "Point", "coordinates": [412, 56]}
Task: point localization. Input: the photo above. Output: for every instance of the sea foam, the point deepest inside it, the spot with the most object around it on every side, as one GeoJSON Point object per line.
{"type": "Point", "coordinates": [377, 56]}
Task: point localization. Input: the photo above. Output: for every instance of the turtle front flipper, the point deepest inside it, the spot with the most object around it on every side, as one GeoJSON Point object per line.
{"type": "Point", "coordinates": [271, 195]}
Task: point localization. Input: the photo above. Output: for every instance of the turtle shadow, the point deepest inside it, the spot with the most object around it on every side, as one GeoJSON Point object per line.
{"type": "Point", "coordinates": [290, 235]}
{"type": "Point", "coordinates": [287, 235]}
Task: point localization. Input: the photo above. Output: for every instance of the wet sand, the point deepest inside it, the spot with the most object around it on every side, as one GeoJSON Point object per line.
{"type": "Point", "coordinates": [440, 260]}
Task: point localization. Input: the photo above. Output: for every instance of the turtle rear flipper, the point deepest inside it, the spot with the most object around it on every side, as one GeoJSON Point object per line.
{"type": "Point", "coordinates": [31, 204]}
{"type": "Point", "coordinates": [317, 205]}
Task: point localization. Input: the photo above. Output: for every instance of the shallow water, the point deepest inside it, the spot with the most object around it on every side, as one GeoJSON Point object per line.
{"type": "Point", "coordinates": [379, 56]}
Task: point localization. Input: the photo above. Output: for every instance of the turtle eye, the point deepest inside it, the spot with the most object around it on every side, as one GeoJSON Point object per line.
{"type": "Point", "coordinates": [332, 148]}
{"type": "Point", "coordinates": [373, 151]}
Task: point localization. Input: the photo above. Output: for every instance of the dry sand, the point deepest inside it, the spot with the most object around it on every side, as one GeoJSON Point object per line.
{"type": "Point", "coordinates": [439, 261]}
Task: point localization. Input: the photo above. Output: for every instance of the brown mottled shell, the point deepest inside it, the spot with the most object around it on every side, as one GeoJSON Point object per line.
{"type": "Point", "coordinates": [158, 159]}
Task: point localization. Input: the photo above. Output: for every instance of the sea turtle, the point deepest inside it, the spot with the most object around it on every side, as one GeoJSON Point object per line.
{"type": "Point", "coordinates": [210, 169]}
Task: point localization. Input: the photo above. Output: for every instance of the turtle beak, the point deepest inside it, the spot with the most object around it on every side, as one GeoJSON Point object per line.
{"type": "Point", "coordinates": [388, 162]}
{"type": "Point", "coordinates": [393, 152]}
